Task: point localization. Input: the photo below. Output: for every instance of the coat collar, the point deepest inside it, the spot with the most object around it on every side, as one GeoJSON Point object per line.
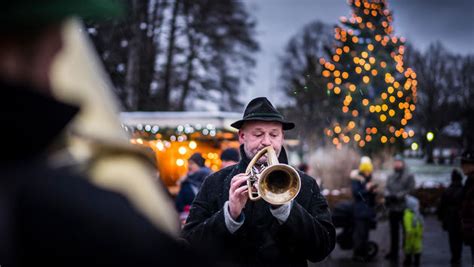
{"type": "Point", "coordinates": [30, 120]}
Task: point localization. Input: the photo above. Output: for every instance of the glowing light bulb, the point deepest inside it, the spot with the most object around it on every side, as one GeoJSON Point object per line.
{"type": "Point", "coordinates": [429, 136]}
{"type": "Point", "coordinates": [182, 150]}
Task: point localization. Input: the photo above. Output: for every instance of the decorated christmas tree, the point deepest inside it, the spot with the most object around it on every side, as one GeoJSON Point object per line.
{"type": "Point", "coordinates": [367, 76]}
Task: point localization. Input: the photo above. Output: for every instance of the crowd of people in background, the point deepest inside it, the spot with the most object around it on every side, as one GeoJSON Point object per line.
{"type": "Point", "coordinates": [406, 223]}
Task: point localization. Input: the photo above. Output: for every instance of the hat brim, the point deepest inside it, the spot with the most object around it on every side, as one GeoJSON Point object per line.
{"type": "Point", "coordinates": [286, 124]}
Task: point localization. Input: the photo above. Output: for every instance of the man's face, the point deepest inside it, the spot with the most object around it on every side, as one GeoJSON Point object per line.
{"type": "Point", "coordinates": [192, 167]}
{"type": "Point", "coordinates": [28, 60]}
{"type": "Point", "coordinates": [467, 168]}
{"type": "Point", "coordinates": [255, 135]}
{"type": "Point", "coordinates": [398, 165]}
{"type": "Point", "coordinates": [48, 47]}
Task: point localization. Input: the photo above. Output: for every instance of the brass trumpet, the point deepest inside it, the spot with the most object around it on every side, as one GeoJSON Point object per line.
{"type": "Point", "coordinates": [277, 183]}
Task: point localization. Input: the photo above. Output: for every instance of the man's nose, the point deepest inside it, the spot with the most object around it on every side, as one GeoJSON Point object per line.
{"type": "Point", "coordinates": [266, 140]}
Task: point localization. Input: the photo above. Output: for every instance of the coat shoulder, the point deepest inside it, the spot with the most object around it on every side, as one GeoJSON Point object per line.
{"type": "Point", "coordinates": [308, 181]}
{"type": "Point", "coordinates": [355, 176]}
{"type": "Point", "coordinates": [305, 178]}
{"type": "Point", "coordinates": [219, 177]}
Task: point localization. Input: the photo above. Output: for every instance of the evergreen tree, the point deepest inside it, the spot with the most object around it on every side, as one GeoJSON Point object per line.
{"type": "Point", "coordinates": [366, 74]}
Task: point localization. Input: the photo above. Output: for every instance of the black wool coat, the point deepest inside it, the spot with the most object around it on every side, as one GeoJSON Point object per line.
{"type": "Point", "coordinates": [307, 234]}
{"type": "Point", "coordinates": [467, 211]}
{"type": "Point", "coordinates": [450, 207]}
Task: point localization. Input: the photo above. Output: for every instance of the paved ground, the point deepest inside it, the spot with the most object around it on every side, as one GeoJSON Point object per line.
{"type": "Point", "coordinates": [435, 248]}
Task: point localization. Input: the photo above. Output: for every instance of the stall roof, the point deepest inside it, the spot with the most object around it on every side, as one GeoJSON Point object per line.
{"type": "Point", "coordinates": [173, 119]}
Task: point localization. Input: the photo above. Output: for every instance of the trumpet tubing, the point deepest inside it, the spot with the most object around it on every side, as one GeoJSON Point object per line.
{"type": "Point", "coordinates": [277, 184]}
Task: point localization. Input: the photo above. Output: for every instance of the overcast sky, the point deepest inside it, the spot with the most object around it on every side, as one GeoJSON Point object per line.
{"type": "Point", "coordinates": [420, 21]}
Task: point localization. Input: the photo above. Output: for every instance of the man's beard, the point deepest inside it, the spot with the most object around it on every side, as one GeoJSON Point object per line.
{"type": "Point", "coordinates": [262, 160]}
{"type": "Point", "coordinates": [399, 170]}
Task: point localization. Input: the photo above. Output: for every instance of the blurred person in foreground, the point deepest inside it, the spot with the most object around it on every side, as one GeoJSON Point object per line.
{"type": "Point", "coordinates": [399, 184]}
{"type": "Point", "coordinates": [467, 209]}
{"type": "Point", "coordinates": [95, 141]}
{"type": "Point", "coordinates": [255, 233]}
{"type": "Point", "coordinates": [48, 215]}
{"type": "Point", "coordinates": [230, 156]}
{"type": "Point", "coordinates": [449, 213]}
{"type": "Point", "coordinates": [363, 192]}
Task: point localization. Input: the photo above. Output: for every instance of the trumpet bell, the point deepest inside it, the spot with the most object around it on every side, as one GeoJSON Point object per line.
{"type": "Point", "coordinates": [279, 184]}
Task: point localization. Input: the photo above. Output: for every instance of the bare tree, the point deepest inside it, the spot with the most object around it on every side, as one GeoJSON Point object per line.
{"type": "Point", "coordinates": [166, 53]}
{"type": "Point", "coordinates": [441, 88]}
{"type": "Point", "coordinates": [221, 44]}
{"type": "Point", "coordinates": [465, 83]}
{"type": "Point", "coordinates": [303, 83]}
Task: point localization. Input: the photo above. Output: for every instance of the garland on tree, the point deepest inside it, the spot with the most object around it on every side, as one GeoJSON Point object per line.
{"type": "Point", "coordinates": [367, 76]}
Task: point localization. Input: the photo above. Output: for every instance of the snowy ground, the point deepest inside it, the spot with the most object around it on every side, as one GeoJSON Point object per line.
{"type": "Point", "coordinates": [435, 249]}
{"type": "Point", "coordinates": [427, 175]}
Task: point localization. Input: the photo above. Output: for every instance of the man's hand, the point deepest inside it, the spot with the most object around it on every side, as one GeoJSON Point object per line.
{"type": "Point", "coordinates": [238, 194]}
{"type": "Point", "coordinates": [371, 186]}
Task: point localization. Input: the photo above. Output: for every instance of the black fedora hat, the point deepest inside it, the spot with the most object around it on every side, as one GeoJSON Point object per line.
{"type": "Point", "coordinates": [260, 109]}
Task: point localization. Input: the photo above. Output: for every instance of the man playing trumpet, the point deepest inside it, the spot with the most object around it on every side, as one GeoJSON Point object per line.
{"type": "Point", "coordinates": [257, 233]}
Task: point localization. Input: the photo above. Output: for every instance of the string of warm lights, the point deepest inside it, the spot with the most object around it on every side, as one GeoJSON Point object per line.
{"type": "Point", "coordinates": [177, 144]}
{"type": "Point", "coordinates": [366, 73]}
{"type": "Point", "coordinates": [179, 133]}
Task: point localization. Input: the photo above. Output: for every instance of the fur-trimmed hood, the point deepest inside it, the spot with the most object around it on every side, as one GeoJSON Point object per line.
{"type": "Point", "coordinates": [355, 175]}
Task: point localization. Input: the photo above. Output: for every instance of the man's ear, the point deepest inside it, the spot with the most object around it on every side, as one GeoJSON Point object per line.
{"type": "Point", "coordinates": [241, 136]}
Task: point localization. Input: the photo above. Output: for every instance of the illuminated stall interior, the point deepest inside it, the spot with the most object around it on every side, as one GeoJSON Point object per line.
{"type": "Point", "coordinates": [174, 145]}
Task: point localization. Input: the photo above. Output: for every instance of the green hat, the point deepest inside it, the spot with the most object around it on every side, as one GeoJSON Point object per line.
{"type": "Point", "coordinates": [33, 13]}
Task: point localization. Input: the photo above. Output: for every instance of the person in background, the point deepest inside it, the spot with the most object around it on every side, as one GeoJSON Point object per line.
{"type": "Point", "coordinates": [363, 192]}
{"type": "Point", "coordinates": [399, 184]}
{"type": "Point", "coordinates": [413, 227]}
{"type": "Point", "coordinates": [449, 212]}
{"type": "Point", "coordinates": [229, 157]}
{"type": "Point", "coordinates": [197, 172]}
{"type": "Point", "coordinates": [303, 167]}
{"type": "Point", "coordinates": [467, 208]}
